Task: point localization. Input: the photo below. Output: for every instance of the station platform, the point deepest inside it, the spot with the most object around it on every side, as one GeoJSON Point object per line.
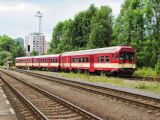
{"type": "Point", "coordinates": [6, 111]}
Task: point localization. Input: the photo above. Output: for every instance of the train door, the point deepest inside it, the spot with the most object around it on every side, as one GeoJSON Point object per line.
{"type": "Point", "coordinates": [68, 62]}
{"type": "Point", "coordinates": [91, 63]}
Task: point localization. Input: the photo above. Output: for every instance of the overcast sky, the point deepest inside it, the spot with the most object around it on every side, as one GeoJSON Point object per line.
{"type": "Point", "coordinates": [17, 16]}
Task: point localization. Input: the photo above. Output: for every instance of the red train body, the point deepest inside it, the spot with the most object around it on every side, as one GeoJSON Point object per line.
{"type": "Point", "coordinates": [109, 60]}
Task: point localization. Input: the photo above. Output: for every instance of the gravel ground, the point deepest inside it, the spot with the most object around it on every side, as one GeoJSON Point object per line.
{"type": "Point", "coordinates": [5, 113]}
{"type": "Point", "coordinates": [101, 106]}
{"type": "Point", "coordinates": [132, 90]}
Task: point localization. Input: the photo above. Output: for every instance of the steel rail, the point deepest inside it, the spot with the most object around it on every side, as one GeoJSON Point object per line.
{"type": "Point", "coordinates": [75, 108]}
{"type": "Point", "coordinates": [39, 114]}
{"type": "Point", "coordinates": [87, 85]}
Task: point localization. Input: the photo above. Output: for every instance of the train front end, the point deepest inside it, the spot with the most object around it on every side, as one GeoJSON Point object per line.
{"type": "Point", "coordinates": [127, 61]}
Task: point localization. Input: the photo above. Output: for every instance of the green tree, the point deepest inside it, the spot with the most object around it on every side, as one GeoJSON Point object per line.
{"type": "Point", "coordinates": [15, 49]}
{"type": "Point", "coordinates": [5, 42]}
{"type": "Point", "coordinates": [138, 25]}
{"type": "Point", "coordinates": [56, 38]}
{"type": "Point", "coordinates": [34, 53]}
{"type": "Point", "coordinates": [101, 28]}
{"type": "Point", "coordinates": [82, 27]}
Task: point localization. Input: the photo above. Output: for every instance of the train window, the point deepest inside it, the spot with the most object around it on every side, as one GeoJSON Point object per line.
{"type": "Point", "coordinates": [113, 57]}
{"type": "Point", "coordinates": [101, 59]}
{"type": "Point", "coordinates": [76, 60]}
{"type": "Point", "coordinates": [51, 60]}
{"type": "Point", "coordinates": [116, 56]}
{"type": "Point", "coordinates": [83, 59]}
{"type": "Point", "coordinates": [56, 60]}
{"type": "Point", "coordinates": [73, 60]}
{"type": "Point", "coordinates": [79, 60]}
{"type": "Point", "coordinates": [107, 58]}
{"type": "Point", "coordinates": [87, 60]}
{"type": "Point", "coordinates": [43, 60]}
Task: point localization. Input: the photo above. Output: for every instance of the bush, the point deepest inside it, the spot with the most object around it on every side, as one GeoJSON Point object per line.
{"type": "Point", "coordinates": [157, 67]}
{"type": "Point", "coordinates": [146, 72]}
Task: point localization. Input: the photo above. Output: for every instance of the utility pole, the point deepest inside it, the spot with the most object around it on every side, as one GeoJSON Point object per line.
{"type": "Point", "coordinates": [39, 15]}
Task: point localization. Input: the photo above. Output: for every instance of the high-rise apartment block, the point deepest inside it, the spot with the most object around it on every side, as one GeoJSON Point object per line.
{"type": "Point", "coordinates": [37, 43]}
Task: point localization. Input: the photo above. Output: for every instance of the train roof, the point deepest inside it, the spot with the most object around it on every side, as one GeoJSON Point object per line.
{"type": "Point", "coordinates": [41, 56]}
{"type": "Point", "coordinates": [95, 51]}
{"type": "Point", "coordinates": [18, 58]}
{"type": "Point", "coordinates": [46, 56]}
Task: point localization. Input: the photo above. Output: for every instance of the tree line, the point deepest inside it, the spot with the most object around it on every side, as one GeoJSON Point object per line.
{"type": "Point", "coordinates": [137, 25]}
{"type": "Point", "coordinates": [9, 49]}
{"type": "Point", "coordinates": [89, 29]}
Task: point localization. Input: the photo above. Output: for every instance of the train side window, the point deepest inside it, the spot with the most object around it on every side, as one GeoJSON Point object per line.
{"type": "Point", "coordinates": [83, 59]}
{"type": "Point", "coordinates": [107, 59]}
{"type": "Point", "coordinates": [99, 59]}
{"type": "Point", "coordinates": [79, 60]}
{"type": "Point", "coordinates": [102, 59]}
{"type": "Point", "coordinates": [50, 60]}
{"type": "Point", "coordinates": [76, 60]}
{"type": "Point", "coordinates": [116, 56]}
{"type": "Point", "coordinates": [87, 60]}
{"type": "Point", "coordinates": [113, 57]}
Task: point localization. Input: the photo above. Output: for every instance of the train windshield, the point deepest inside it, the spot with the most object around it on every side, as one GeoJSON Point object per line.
{"type": "Point", "coordinates": [127, 56]}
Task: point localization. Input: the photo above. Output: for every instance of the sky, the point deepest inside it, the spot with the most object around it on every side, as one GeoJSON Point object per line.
{"type": "Point", "coordinates": [17, 17]}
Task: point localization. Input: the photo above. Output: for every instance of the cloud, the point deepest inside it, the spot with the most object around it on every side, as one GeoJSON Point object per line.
{"type": "Point", "coordinates": [17, 16]}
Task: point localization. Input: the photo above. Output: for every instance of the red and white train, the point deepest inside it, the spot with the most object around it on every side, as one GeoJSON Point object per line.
{"type": "Point", "coordinates": [110, 60]}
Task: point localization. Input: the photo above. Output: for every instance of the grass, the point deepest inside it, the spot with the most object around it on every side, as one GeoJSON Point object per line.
{"type": "Point", "coordinates": [154, 87]}
{"type": "Point", "coordinates": [146, 72]}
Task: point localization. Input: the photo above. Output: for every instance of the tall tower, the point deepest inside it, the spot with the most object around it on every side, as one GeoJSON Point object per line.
{"type": "Point", "coordinates": [39, 15]}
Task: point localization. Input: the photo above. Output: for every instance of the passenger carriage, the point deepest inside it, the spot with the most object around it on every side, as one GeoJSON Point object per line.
{"type": "Point", "coordinates": [47, 61]}
{"type": "Point", "coordinates": [22, 62]}
{"type": "Point", "coordinates": [110, 60]}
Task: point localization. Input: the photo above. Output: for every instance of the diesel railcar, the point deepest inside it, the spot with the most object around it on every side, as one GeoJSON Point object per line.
{"type": "Point", "coordinates": [119, 60]}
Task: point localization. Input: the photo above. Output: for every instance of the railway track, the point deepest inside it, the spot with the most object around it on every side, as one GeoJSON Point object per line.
{"type": "Point", "coordinates": [146, 102]}
{"type": "Point", "coordinates": [37, 103]}
{"type": "Point", "coordinates": [148, 79]}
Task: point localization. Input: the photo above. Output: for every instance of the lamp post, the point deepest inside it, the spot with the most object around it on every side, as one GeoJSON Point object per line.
{"type": "Point", "coordinates": [28, 50]}
{"type": "Point", "coordinates": [8, 49]}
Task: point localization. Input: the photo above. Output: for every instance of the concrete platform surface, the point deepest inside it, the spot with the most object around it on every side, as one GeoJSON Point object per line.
{"type": "Point", "coordinates": [6, 111]}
